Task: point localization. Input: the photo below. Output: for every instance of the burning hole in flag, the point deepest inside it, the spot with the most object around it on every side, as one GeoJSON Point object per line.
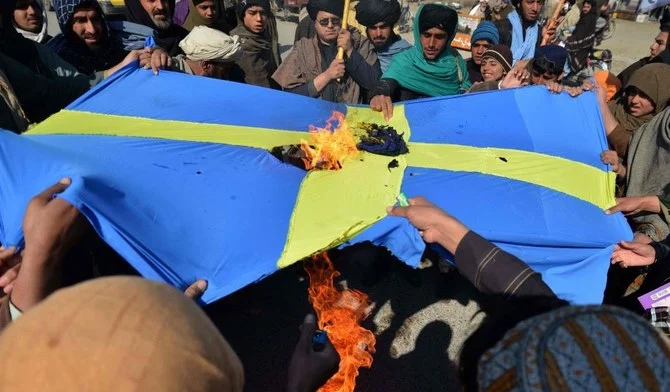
{"type": "Point", "coordinates": [330, 145]}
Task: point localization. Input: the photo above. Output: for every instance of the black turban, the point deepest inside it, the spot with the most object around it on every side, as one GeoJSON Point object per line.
{"type": "Point", "coordinates": [435, 15]}
{"type": "Point", "coordinates": [371, 12]}
{"type": "Point", "coordinates": [335, 7]}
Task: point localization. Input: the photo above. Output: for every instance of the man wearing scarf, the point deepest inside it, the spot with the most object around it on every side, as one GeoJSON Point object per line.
{"type": "Point", "coordinates": [85, 41]}
{"type": "Point", "coordinates": [157, 15]}
{"type": "Point", "coordinates": [312, 69]}
{"type": "Point", "coordinates": [646, 95]}
{"type": "Point", "coordinates": [647, 173]}
{"type": "Point", "coordinates": [34, 56]}
{"type": "Point", "coordinates": [257, 29]}
{"type": "Point", "coordinates": [204, 13]}
{"type": "Point", "coordinates": [42, 81]}
{"type": "Point", "coordinates": [430, 69]}
{"type": "Point", "coordinates": [34, 81]}
{"type": "Point", "coordinates": [521, 31]}
{"type": "Point", "coordinates": [379, 17]}
{"type": "Point", "coordinates": [30, 20]}
{"type": "Point", "coordinates": [207, 52]}
{"type": "Point", "coordinates": [642, 265]}
{"type": "Point", "coordinates": [580, 43]}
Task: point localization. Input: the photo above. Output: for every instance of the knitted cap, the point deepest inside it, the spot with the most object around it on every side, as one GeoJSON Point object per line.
{"type": "Point", "coordinates": [502, 54]}
{"type": "Point", "coordinates": [486, 30]}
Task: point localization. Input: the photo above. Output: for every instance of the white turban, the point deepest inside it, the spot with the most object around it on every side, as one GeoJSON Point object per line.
{"type": "Point", "coordinates": [207, 44]}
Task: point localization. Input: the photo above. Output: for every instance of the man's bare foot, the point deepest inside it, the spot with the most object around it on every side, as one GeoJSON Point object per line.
{"type": "Point", "coordinates": [196, 290]}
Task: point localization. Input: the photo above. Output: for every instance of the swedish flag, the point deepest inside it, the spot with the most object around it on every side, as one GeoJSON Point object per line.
{"type": "Point", "coordinates": [174, 173]}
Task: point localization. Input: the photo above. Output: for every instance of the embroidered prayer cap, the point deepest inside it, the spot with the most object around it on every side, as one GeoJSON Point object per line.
{"type": "Point", "coordinates": [576, 349]}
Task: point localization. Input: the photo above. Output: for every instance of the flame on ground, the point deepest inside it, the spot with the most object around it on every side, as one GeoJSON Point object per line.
{"type": "Point", "coordinates": [340, 313]}
{"type": "Point", "coordinates": [330, 145]}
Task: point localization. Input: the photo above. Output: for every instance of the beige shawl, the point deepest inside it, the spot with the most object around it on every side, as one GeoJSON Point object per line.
{"type": "Point", "coordinates": [303, 64]}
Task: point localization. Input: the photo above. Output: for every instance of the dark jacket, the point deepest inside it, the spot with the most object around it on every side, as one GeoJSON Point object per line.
{"type": "Point", "coordinates": [391, 88]}
{"type": "Point", "coordinates": [474, 70]}
{"type": "Point", "coordinates": [512, 292]}
{"type": "Point", "coordinates": [40, 96]}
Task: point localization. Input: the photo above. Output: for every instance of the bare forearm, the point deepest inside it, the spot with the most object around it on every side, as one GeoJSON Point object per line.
{"type": "Point", "coordinates": [111, 71]}
{"type": "Point", "coordinates": [451, 234]}
{"type": "Point", "coordinates": [39, 276]}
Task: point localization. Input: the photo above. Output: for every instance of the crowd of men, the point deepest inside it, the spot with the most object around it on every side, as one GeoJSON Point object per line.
{"type": "Point", "coordinates": [581, 347]}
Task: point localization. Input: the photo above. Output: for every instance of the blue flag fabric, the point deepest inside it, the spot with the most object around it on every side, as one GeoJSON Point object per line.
{"type": "Point", "coordinates": [174, 173]}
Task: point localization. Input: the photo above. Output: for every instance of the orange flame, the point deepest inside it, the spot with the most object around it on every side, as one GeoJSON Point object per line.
{"type": "Point", "coordinates": [340, 314]}
{"type": "Point", "coordinates": [330, 145]}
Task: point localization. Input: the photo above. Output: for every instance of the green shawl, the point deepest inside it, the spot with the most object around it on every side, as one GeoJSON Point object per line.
{"type": "Point", "coordinates": [446, 75]}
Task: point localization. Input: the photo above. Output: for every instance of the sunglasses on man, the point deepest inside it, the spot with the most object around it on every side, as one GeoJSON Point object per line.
{"type": "Point", "coordinates": [327, 21]}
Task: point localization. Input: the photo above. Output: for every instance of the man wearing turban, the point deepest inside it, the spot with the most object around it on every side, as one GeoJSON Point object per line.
{"type": "Point", "coordinates": [207, 52]}
{"type": "Point", "coordinates": [379, 17]}
{"type": "Point", "coordinates": [313, 69]}
{"type": "Point", "coordinates": [430, 68]}
{"type": "Point", "coordinates": [521, 31]}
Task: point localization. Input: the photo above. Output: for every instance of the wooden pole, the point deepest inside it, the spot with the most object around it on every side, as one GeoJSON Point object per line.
{"type": "Point", "coordinates": [345, 24]}
{"type": "Point", "coordinates": [554, 19]}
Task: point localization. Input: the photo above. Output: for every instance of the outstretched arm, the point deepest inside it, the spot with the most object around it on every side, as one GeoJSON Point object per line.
{"type": "Point", "coordinates": [490, 269]}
